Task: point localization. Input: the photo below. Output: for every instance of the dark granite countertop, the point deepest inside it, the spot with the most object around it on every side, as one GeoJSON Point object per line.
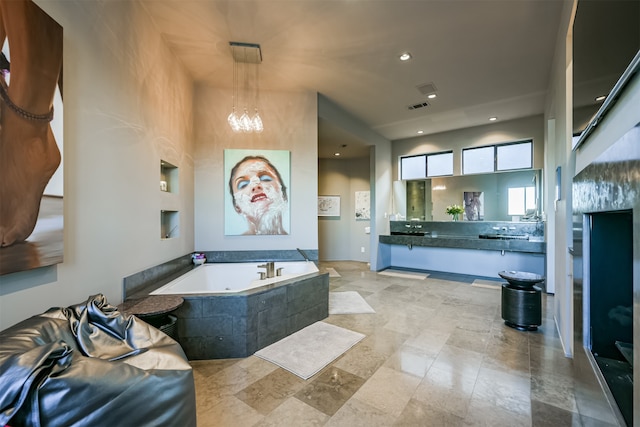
{"type": "Point", "coordinates": [533, 245]}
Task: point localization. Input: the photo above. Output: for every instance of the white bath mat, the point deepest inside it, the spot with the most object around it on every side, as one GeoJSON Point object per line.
{"type": "Point", "coordinates": [332, 272]}
{"type": "Point", "coordinates": [489, 284]}
{"type": "Point", "coordinates": [307, 351]}
{"type": "Point", "coordinates": [349, 302]}
{"type": "Point", "coordinates": [403, 274]}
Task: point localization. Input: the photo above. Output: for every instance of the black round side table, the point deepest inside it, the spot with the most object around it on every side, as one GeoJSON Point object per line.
{"type": "Point", "coordinates": [521, 300]}
{"type": "Point", "coordinates": [155, 310]}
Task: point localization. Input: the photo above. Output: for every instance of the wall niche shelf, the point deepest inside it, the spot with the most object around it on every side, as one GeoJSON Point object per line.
{"type": "Point", "coordinates": [169, 224]}
{"type": "Point", "coordinates": [168, 177]}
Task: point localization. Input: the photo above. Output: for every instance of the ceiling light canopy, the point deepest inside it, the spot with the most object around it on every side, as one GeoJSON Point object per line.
{"type": "Point", "coordinates": [245, 53]}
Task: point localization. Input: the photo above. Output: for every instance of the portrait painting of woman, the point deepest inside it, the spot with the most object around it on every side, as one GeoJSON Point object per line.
{"type": "Point", "coordinates": [257, 196]}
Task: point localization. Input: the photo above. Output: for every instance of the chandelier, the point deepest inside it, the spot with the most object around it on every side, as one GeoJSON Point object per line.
{"type": "Point", "coordinates": [245, 54]}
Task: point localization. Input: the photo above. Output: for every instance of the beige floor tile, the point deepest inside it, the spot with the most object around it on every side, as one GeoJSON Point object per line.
{"type": "Point", "coordinates": [385, 342]}
{"type": "Point", "coordinates": [514, 362]}
{"type": "Point", "coordinates": [293, 412]}
{"type": "Point", "coordinates": [429, 340]}
{"type": "Point", "coordinates": [484, 414]}
{"type": "Point", "coordinates": [330, 390]}
{"type": "Point", "coordinates": [446, 391]}
{"type": "Point", "coordinates": [411, 360]}
{"type": "Point", "coordinates": [504, 390]}
{"type": "Point", "coordinates": [388, 390]}
{"type": "Point", "coordinates": [469, 340]}
{"type": "Point", "coordinates": [556, 390]}
{"type": "Point", "coordinates": [419, 414]}
{"type": "Point", "coordinates": [270, 391]}
{"type": "Point", "coordinates": [436, 353]}
{"type": "Point", "coordinates": [362, 361]}
{"type": "Point", "coordinates": [358, 414]}
{"type": "Point", "coordinates": [229, 411]}
{"type": "Point", "coordinates": [458, 360]}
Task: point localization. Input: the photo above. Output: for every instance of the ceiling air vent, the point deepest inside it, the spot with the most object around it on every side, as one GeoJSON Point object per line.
{"type": "Point", "coordinates": [416, 106]}
{"type": "Point", "coordinates": [427, 88]}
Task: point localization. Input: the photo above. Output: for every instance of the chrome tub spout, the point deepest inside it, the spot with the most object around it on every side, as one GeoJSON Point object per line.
{"type": "Point", "coordinates": [304, 254]}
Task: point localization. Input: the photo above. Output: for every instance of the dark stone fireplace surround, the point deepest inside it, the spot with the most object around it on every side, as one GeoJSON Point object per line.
{"type": "Point", "coordinates": [610, 185]}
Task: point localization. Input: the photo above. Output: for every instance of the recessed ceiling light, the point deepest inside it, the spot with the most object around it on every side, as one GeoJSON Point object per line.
{"type": "Point", "coordinates": [431, 96]}
{"type": "Point", "coordinates": [336, 154]}
{"type": "Point", "coordinates": [600, 98]}
{"type": "Point", "coordinates": [405, 56]}
{"type": "Point", "coordinates": [420, 132]}
{"type": "Point", "coordinates": [493, 119]}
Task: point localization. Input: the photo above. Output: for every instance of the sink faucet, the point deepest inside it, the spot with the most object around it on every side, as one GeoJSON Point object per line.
{"type": "Point", "coordinates": [270, 266]}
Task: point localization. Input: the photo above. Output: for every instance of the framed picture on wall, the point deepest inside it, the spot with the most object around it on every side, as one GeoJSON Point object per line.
{"type": "Point", "coordinates": [256, 192]}
{"type": "Point", "coordinates": [363, 206]}
{"type": "Point", "coordinates": [31, 180]}
{"type": "Point", "coordinates": [474, 205]}
{"type": "Point", "coordinates": [328, 205]}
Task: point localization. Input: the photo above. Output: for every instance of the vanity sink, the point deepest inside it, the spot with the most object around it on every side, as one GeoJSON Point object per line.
{"type": "Point", "coordinates": [498, 236]}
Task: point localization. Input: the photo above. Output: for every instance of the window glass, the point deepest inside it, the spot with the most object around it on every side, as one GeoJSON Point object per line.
{"type": "Point", "coordinates": [414, 167]}
{"type": "Point", "coordinates": [440, 164]}
{"type": "Point", "coordinates": [477, 160]}
{"type": "Point", "coordinates": [521, 200]}
{"type": "Point", "coordinates": [530, 198]}
{"type": "Point", "coordinates": [514, 156]}
{"type": "Point", "coordinates": [516, 201]}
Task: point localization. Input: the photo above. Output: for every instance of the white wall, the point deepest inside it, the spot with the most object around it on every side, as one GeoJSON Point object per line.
{"type": "Point", "coordinates": [127, 104]}
{"type": "Point", "coordinates": [380, 172]}
{"type": "Point", "coordinates": [558, 135]}
{"type": "Point", "coordinates": [291, 123]}
{"type": "Point", "coordinates": [341, 238]}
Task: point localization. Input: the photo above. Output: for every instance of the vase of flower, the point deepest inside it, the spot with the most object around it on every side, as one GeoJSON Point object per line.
{"type": "Point", "coordinates": [454, 211]}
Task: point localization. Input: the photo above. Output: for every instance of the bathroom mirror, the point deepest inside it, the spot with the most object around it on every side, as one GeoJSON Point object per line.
{"type": "Point", "coordinates": [502, 196]}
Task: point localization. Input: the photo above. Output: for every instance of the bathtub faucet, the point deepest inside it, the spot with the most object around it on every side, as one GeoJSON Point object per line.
{"type": "Point", "coordinates": [270, 266]}
{"type": "Point", "coordinates": [304, 254]}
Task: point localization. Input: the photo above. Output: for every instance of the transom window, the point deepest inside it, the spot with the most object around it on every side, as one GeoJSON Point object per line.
{"type": "Point", "coordinates": [440, 164]}
{"type": "Point", "coordinates": [413, 167]}
{"type": "Point", "coordinates": [493, 158]}
{"type": "Point", "coordinates": [426, 165]}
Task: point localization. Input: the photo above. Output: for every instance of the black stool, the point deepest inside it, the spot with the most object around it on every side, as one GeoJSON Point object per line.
{"type": "Point", "coordinates": [521, 300]}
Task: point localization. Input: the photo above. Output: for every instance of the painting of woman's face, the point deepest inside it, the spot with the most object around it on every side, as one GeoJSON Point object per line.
{"type": "Point", "coordinates": [257, 189]}
{"type": "Point", "coordinates": [258, 195]}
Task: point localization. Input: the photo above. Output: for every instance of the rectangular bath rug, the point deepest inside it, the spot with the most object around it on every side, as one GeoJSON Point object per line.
{"type": "Point", "coordinates": [403, 274]}
{"type": "Point", "coordinates": [349, 302]}
{"type": "Point", "coordinates": [306, 352]}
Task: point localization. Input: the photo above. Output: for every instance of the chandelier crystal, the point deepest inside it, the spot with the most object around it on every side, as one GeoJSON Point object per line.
{"type": "Point", "coordinates": [244, 54]}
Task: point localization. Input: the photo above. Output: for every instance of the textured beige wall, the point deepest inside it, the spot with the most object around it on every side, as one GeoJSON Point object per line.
{"type": "Point", "coordinates": [291, 123]}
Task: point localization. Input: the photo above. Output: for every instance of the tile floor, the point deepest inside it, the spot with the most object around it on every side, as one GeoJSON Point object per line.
{"type": "Point", "coordinates": [437, 353]}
